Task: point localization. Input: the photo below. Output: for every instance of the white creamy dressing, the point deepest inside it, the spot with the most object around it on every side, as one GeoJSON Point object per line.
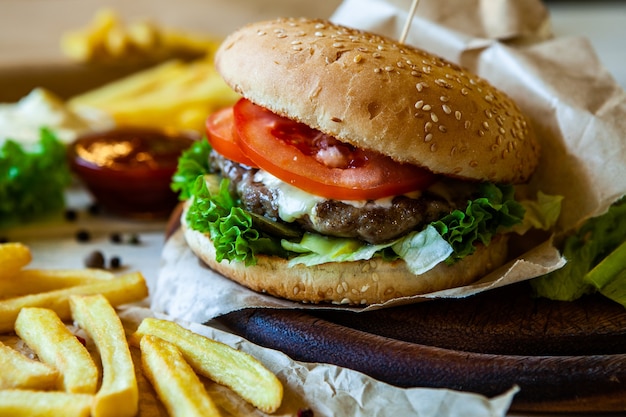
{"type": "Point", "coordinates": [22, 121]}
{"type": "Point", "coordinates": [294, 203]}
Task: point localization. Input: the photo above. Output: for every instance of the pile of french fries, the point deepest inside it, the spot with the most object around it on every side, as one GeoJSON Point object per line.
{"type": "Point", "coordinates": [173, 96]}
{"type": "Point", "coordinates": [63, 378]}
{"type": "Point", "coordinates": [108, 39]}
{"type": "Point", "coordinates": [176, 94]}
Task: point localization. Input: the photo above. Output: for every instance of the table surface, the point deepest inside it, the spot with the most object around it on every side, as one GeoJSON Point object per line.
{"type": "Point", "coordinates": [24, 40]}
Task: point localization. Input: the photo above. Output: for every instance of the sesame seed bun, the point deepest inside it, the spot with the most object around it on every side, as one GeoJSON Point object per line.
{"type": "Point", "coordinates": [351, 283]}
{"type": "Point", "coordinates": [377, 94]}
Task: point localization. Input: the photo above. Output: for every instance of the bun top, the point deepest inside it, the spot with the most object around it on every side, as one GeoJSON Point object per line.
{"type": "Point", "coordinates": [378, 94]}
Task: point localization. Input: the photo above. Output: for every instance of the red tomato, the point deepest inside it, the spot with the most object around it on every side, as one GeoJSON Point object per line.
{"type": "Point", "coordinates": [318, 163]}
{"type": "Point", "coordinates": [219, 129]}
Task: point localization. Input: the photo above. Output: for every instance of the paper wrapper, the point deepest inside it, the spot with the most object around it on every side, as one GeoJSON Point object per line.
{"type": "Point", "coordinates": [575, 106]}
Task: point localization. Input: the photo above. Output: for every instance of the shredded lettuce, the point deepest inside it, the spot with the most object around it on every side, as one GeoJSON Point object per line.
{"type": "Point", "coordinates": [32, 181]}
{"type": "Point", "coordinates": [584, 251]}
{"type": "Point", "coordinates": [420, 250]}
{"type": "Point", "coordinates": [483, 217]}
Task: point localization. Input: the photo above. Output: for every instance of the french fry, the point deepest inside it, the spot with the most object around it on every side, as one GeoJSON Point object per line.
{"type": "Point", "coordinates": [28, 403]}
{"type": "Point", "coordinates": [13, 257]}
{"type": "Point", "coordinates": [54, 344]}
{"type": "Point", "coordinates": [118, 394]}
{"type": "Point", "coordinates": [223, 364]}
{"type": "Point", "coordinates": [175, 382]}
{"type": "Point", "coordinates": [18, 371]}
{"type": "Point", "coordinates": [124, 289]}
{"type": "Point", "coordinates": [31, 281]}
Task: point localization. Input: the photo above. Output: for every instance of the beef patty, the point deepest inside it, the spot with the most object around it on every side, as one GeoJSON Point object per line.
{"type": "Point", "coordinates": [372, 221]}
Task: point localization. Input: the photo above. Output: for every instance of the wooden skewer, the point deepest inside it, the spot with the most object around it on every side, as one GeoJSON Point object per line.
{"type": "Point", "coordinates": [409, 19]}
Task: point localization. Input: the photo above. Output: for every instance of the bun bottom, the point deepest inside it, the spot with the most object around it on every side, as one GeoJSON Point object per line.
{"type": "Point", "coordinates": [351, 283]}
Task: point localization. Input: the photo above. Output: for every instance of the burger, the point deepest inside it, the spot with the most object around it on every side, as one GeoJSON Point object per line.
{"type": "Point", "coordinates": [354, 169]}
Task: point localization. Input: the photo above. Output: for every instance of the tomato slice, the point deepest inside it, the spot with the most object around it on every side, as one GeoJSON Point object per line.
{"type": "Point", "coordinates": [221, 136]}
{"type": "Point", "coordinates": [318, 163]}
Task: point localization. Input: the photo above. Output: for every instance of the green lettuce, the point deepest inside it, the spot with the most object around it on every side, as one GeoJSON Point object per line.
{"type": "Point", "coordinates": [495, 210]}
{"type": "Point", "coordinates": [230, 227]}
{"type": "Point", "coordinates": [193, 163]}
{"type": "Point", "coordinates": [420, 250]}
{"type": "Point", "coordinates": [32, 182]}
{"type": "Point", "coordinates": [584, 251]}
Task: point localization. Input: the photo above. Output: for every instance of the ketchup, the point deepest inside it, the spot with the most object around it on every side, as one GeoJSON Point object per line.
{"type": "Point", "coordinates": [129, 171]}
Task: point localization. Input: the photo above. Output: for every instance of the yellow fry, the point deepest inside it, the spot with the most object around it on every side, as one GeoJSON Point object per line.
{"type": "Point", "coordinates": [26, 403]}
{"type": "Point", "coordinates": [18, 371]}
{"type": "Point", "coordinates": [176, 383]}
{"type": "Point", "coordinates": [54, 344]}
{"type": "Point", "coordinates": [129, 87]}
{"type": "Point", "coordinates": [118, 394]}
{"type": "Point", "coordinates": [124, 289]}
{"type": "Point", "coordinates": [13, 257]}
{"type": "Point", "coordinates": [30, 281]}
{"type": "Point", "coordinates": [225, 365]}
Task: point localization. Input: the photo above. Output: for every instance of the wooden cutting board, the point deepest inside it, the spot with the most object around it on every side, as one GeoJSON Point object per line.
{"type": "Point", "coordinates": [565, 356]}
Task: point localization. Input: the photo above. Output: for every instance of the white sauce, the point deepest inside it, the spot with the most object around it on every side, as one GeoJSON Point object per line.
{"type": "Point", "coordinates": [294, 203]}
{"type": "Point", "coordinates": [22, 121]}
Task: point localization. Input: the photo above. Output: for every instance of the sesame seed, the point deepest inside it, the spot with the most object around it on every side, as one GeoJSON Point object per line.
{"type": "Point", "coordinates": [468, 124]}
{"type": "Point", "coordinates": [261, 33]}
{"type": "Point", "coordinates": [434, 117]}
{"type": "Point", "coordinates": [319, 34]}
{"type": "Point", "coordinates": [320, 26]}
{"type": "Point", "coordinates": [486, 125]}
{"type": "Point", "coordinates": [446, 109]}
{"type": "Point", "coordinates": [489, 98]}
{"type": "Point", "coordinates": [464, 91]}
{"type": "Point", "coordinates": [433, 147]}
{"type": "Point", "coordinates": [388, 68]}
{"type": "Point", "coordinates": [419, 104]}
{"type": "Point", "coordinates": [420, 86]}
{"type": "Point", "coordinates": [337, 45]}
{"type": "Point", "coordinates": [443, 129]}
{"type": "Point", "coordinates": [457, 115]}
{"type": "Point", "coordinates": [428, 137]}
{"type": "Point", "coordinates": [488, 114]}
{"type": "Point", "coordinates": [426, 107]}
{"type": "Point", "coordinates": [427, 126]}
{"type": "Point", "coordinates": [358, 58]}
{"type": "Point", "coordinates": [380, 48]}
{"type": "Point", "coordinates": [481, 133]}
{"type": "Point", "coordinates": [415, 73]}
{"type": "Point", "coordinates": [376, 70]}
{"type": "Point", "coordinates": [444, 99]}
{"type": "Point", "coordinates": [376, 55]}
{"type": "Point", "coordinates": [453, 151]}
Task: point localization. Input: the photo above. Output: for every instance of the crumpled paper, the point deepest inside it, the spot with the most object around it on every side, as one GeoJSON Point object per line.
{"type": "Point", "coordinates": [575, 106]}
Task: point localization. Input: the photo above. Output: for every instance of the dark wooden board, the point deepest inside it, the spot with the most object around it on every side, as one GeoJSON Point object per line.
{"type": "Point", "coordinates": [565, 357]}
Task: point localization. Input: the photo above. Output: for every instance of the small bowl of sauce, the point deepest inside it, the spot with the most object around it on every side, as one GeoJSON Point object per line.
{"type": "Point", "coordinates": [129, 170]}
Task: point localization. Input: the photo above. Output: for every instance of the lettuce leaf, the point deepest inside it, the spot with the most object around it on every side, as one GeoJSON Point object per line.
{"type": "Point", "coordinates": [192, 163]}
{"type": "Point", "coordinates": [229, 226]}
{"type": "Point", "coordinates": [483, 217]}
{"type": "Point", "coordinates": [32, 182]}
{"type": "Point", "coordinates": [584, 250]}
{"type": "Point", "coordinates": [420, 250]}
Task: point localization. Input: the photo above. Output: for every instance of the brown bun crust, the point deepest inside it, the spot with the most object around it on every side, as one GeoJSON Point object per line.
{"type": "Point", "coordinates": [352, 283]}
{"type": "Point", "coordinates": [378, 94]}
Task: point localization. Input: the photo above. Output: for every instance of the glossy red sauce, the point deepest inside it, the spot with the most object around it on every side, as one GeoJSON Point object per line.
{"type": "Point", "coordinates": [129, 171]}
